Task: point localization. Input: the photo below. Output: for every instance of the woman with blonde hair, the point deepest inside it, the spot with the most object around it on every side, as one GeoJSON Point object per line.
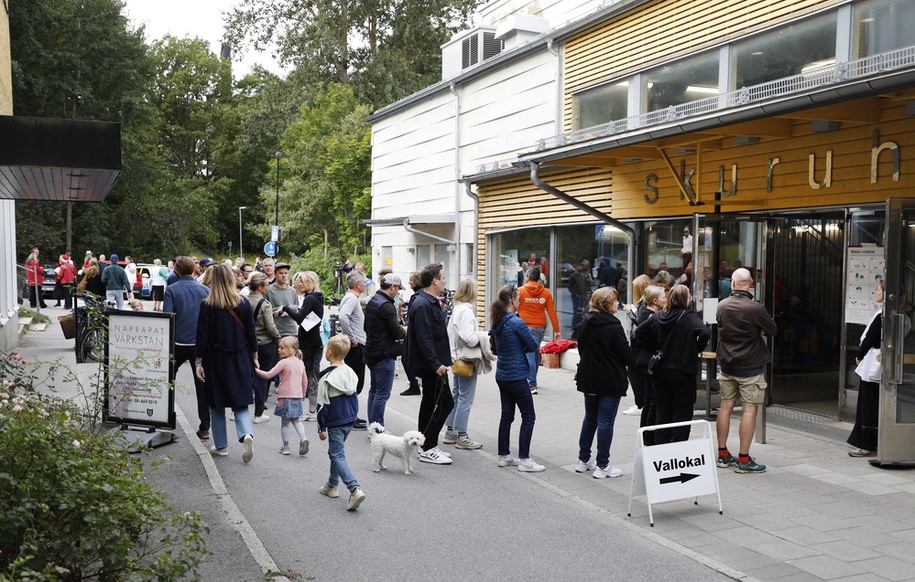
{"type": "Point", "coordinates": [602, 379]}
{"type": "Point", "coordinates": [226, 352]}
{"type": "Point", "coordinates": [471, 345]}
{"type": "Point", "coordinates": [681, 334]}
{"type": "Point", "coordinates": [310, 306]}
{"type": "Point", "coordinates": [633, 311]}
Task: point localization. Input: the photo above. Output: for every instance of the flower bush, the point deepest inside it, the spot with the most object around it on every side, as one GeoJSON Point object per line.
{"type": "Point", "coordinates": [73, 502]}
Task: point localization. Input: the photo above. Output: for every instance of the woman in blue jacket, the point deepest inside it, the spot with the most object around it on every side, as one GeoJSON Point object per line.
{"type": "Point", "coordinates": [513, 341]}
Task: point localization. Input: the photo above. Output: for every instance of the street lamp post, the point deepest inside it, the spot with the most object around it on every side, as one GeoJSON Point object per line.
{"type": "Point", "coordinates": [277, 155]}
{"type": "Point", "coordinates": [241, 246]}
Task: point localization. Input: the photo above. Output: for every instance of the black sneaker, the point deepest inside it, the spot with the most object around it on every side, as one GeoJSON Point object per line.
{"type": "Point", "coordinates": [411, 391]}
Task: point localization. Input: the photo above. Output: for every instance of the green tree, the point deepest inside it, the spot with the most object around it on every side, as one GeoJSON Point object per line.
{"type": "Point", "coordinates": [327, 195]}
{"type": "Point", "coordinates": [386, 48]}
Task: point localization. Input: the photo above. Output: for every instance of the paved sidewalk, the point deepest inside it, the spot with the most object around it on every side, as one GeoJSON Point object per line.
{"type": "Point", "coordinates": [816, 514]}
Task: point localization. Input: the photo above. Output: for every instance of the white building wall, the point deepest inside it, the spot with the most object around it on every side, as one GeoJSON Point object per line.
{"type": "Point", "coordinates": [9, 303]}
{"type": "Point", "coordinates": [415, 170]}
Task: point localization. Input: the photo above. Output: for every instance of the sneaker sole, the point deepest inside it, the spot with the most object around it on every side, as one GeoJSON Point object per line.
{"type": "Point", "coordinates": [472, 447]}
{"type": "Point", "coordinates": [524, 469]}
{"type": "Point", "coordinates": [748, 471]}
{"type": "Point", "coordinates": [442, 461]}
{"type": "Point", "coordinates": [303, 448]}
{"type": "Point", "coordinates": [333, 494]}
{"type": "Point", "coordinates": [248, 454]}
{"type": "Point", "coordinates": [354, 505]}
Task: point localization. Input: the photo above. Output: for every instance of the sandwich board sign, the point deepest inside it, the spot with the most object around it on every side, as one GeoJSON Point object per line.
{"type": "Point", "coordinates": [678, 470]}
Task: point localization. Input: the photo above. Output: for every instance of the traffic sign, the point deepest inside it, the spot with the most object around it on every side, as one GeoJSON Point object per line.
{"type": "Point", "coordinates": [270, 249]}
{"type": "Point", "coordinates": [274, 233]}
{"type": "Point", "coordinates": [677, 470]}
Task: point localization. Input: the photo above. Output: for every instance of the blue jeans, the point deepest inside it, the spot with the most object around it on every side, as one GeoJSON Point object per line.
{"type": "Point", "coordinates": [218, 424]}
{"type": "Point", "coordinates": [600, 415]}
{"type": "Point", "coordinates": [533, 358]}
{"type": "Point", "coordinates": [463, 392]}
{"type": "Point", "coordinates": [116, 297]}
{"type": "Point", "coordinates": [516, 393]}
{"type": "Point", "coordinates": [339, 470]}
{"type": "Point", "coordinates": [382, 377]}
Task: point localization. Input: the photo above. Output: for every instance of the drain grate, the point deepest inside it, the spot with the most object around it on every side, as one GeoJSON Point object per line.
{"type": "Point", "coordinates": [803, 415]}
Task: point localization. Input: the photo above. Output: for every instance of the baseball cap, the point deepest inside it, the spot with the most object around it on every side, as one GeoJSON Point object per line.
{"type": "Point", "coordinates": [391, 279]}
{"type": "Point", "coordinates": [206, 262]}
{"type": "Point", "coordinates": [113, 258]}
{"type": "Point", "coordinates": [279, 266]}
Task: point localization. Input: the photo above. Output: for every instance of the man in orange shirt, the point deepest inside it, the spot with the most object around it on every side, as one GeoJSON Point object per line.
{"type": "Point", "coordinates": [535, 304]}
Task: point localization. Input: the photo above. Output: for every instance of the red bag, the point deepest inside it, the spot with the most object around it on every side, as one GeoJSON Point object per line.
{"type": "Point", "coordinates": [557, 346]}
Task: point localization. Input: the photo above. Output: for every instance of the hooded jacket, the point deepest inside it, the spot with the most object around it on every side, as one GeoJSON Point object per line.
{"type": "Point", "coordinates": [604, 355]}
{"type": "Point", "coordinates": [688, 337]}
{"type": "Point", "coordinates": [337, 397]}
{"type": "Point", "coordinates": [534, 299]}
{"type": "Point", "coordinates": [513, 340]}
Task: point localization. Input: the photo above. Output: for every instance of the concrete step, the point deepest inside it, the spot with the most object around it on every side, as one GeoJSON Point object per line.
{"type": "Point", "coordinates": [38, 326]}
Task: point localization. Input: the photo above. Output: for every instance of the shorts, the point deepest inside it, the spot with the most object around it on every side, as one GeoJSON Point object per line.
{"type": "Point", "coordinates": [158, 292]}
{"type": "Point", "coordinates": [752, 389]}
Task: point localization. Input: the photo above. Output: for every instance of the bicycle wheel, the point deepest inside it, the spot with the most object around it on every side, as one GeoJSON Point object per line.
{"type": "Point", "coordinates": [93, 348]}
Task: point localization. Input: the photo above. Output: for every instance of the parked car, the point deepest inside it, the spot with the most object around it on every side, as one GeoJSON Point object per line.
{"type": "Point", "coordinates": [50, 278]}
{"type": "Point", "coordinates": [143, 290]}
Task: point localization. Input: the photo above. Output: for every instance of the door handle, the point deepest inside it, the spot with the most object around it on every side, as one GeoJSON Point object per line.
{"type": "Point", "coordinates": [898, 355]}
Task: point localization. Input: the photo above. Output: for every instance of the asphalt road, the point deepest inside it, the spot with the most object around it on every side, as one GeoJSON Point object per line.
{"type": "Point", "coordinates": [468, 521]}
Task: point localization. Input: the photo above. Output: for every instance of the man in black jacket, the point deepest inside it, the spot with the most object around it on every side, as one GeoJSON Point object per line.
{"type": "Point", "coordinates": [428, 355]}
{"type": "Point", "coordinates": [383, 343]}
{"type": "Point", "coordinates": [742, 357]}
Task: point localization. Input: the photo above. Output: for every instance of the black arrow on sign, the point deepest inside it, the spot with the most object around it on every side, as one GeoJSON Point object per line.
{"type": "Point", "coordinates": [681, 478]}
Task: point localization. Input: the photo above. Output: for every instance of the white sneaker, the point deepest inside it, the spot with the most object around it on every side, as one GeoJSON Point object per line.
{"type": "Point", "coordinates": [329, 491]}
{"type": "Point", "coordinates": [450, 438]}
{"type": "Point", "coordinates": [529, 466]}
{"type": "Point", "coordinates": [633, 411]}
{"type": "Point", "coordinates": [355, 499]}
{"type": "Point", "coordinates": [583, 467]}
{"type": "Point", "coordinates": [303, 446]}
{"type": "Point", "coordinates": [608, 471]}
{"type": "Point", "coordinates": [219, 452]}
{"type": "Point", "coordinates": [507, 461]}
{"type": "Point", "coordinates": [248, 453]}
{"type": "Point", "coordinates": [434, 456]}
{"type": "Point", "coordinates": [465, 443]}
{"type": "Point", "coordinates": [262, 418]}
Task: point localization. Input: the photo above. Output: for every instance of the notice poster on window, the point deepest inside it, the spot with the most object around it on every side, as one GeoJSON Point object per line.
{"type": "Point", "coordinates": [866, 265]}
{"type": "Point", "coordinates": [139, 374]}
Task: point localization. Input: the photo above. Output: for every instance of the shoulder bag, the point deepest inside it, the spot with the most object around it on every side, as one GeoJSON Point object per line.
{"type": "Point", "coordinates": [654, 362]}
{"type": "Point", "coordinates": [462, 368]}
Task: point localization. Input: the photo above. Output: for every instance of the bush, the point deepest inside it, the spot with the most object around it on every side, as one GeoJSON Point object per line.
{"type": "Point", "coordinates": [73, 503]}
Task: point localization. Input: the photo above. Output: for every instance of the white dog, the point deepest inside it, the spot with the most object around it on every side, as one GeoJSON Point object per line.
{"type": "Point", "coordinates": [405, 447]}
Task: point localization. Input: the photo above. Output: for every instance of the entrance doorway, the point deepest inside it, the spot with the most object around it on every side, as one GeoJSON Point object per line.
{"type": "Point", "coordinates": [806, 300]}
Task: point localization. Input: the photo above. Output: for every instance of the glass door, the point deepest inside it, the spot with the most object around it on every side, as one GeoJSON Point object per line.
{"type": "Point", "coordinates": [896, 427]}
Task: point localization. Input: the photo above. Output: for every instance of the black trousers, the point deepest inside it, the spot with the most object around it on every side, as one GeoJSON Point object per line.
{"type": "Point", "coordinates": [864, 433]}
{"type": "Point", "coordinates": [435, 406]}
{"type": "Point", "coordinates": [355, 359]}
{"type": "Point", "coordinates": [675, 395]}
{"type": "Point", "coordinates": [186, 354]}
{"type": "Point", "coordinates": [35, 297]}
{"type": "Point", "coordinates": [267, 357]}
{"type": "Point", "coordinates": [638, 379]}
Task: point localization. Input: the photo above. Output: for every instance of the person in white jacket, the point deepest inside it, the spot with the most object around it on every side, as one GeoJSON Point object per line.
{"type": "Point", "coordinates": [472, 345]}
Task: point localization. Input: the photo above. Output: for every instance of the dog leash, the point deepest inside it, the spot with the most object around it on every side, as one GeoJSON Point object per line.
{"type": "Point", "coordinates": [442, 381]}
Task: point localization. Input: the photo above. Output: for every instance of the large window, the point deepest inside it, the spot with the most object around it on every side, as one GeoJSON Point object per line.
{"type": "Point", "coordinates": [601, 104]}
{"type": "Point", "coordinates": [556, 250]}
{"type": "Point", "coordinates": [884, 25]}
{"type": "Point", "coordinates": [784, 52]}
{"type": "Point", "coordinates": [682, 81]}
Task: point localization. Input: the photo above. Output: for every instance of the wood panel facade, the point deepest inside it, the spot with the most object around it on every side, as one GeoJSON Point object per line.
{"type": "Point", "coordinates": [664, 30]}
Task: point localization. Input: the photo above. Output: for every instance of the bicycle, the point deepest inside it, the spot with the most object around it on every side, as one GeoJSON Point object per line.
{"type": "Point", "coordinates": [94, 336]}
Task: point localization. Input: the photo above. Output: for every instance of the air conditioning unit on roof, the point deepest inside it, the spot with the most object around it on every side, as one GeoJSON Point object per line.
{"type": "Point", "coordinates": [469, 48]}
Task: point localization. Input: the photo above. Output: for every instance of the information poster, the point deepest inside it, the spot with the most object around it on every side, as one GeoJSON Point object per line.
{"type": "Point", "coordinates": [139, 374]}
{"type": "Point", "coordinates": [866, 266]}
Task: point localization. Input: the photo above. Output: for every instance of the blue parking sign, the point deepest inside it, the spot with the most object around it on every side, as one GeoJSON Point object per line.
{"type": "Point", "coordinates": [270, 249]}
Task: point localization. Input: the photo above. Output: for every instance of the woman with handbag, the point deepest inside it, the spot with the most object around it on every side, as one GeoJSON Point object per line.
{"type": "Point", "coordinates": [864, 434]}
{"type": "Point", "coordinates": [226, 353]}
{"type": "Point", "coordinates": [513, 341]}
{"type": "Point", "coordinates": [602, 379]}
{"type": "Point", "coordinates": [654, 299]}
{"type": "Point", "coordinates": [470, 353]}
{"type": "Point", "coordinates": [675, 336]}
{"type": "Point", "coordinates": [268, 338]}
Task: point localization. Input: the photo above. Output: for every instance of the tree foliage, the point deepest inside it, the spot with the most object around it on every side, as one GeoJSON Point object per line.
{"type": "Point", "coordinates": [386, 48]}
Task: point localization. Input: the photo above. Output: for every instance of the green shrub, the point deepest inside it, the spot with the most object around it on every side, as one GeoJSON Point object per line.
{"type": "Point", "coordinates": [73, 503]}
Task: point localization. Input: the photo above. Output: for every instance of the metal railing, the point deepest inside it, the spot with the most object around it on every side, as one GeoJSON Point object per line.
{"type": "Point", "coordinates": [22, 285]}
{"type": "Point", "coordinates": [806, 81]}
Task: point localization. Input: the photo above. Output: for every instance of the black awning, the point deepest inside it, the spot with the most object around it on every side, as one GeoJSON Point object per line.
{"type": "Point", "coordinates": [63, 160]}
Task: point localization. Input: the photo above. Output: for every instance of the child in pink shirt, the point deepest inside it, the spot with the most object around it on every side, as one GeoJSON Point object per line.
{"type": "Point", "coordinates": [293, 383]}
